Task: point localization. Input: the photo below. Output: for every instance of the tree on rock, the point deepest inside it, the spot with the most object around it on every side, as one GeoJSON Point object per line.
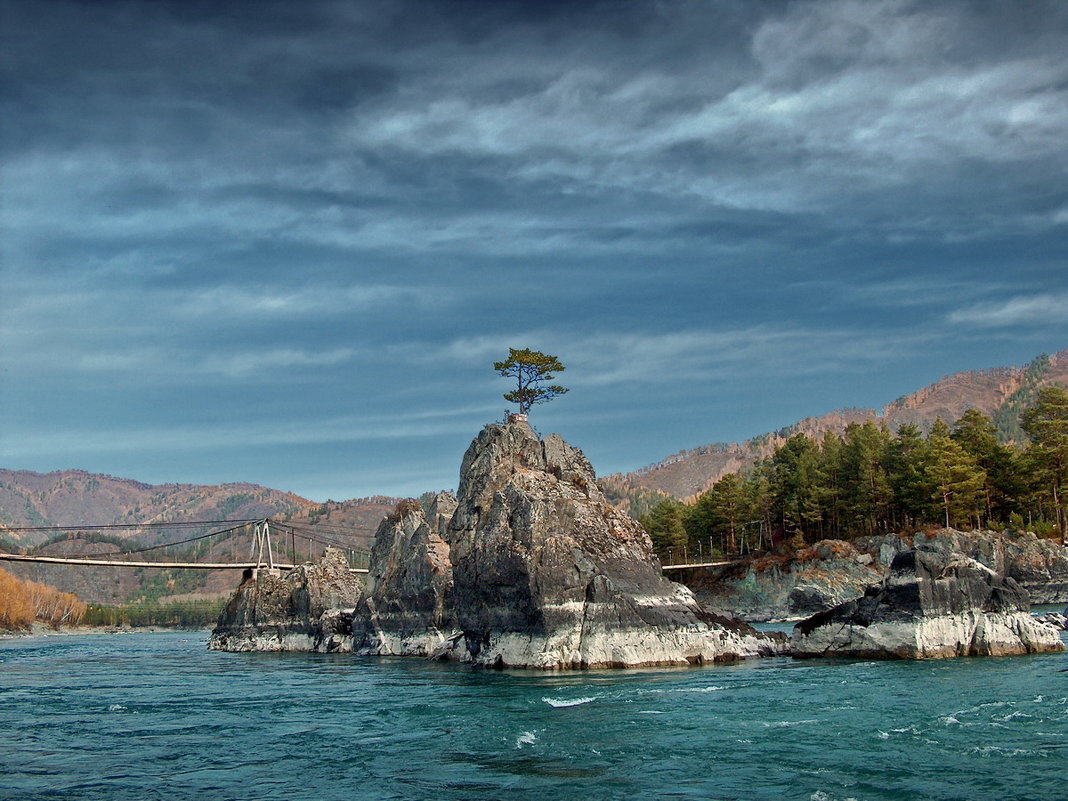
{"type": "Point", "coordinates": [532, 371]}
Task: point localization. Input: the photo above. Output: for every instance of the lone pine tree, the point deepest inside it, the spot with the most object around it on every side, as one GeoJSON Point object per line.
{"type": "Point", "coordinates": [532, 370]}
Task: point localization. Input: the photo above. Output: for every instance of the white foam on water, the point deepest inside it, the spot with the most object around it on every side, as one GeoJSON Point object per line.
{"type": "Point", "coordinates": [116, 708]}
{"type": "Point", "coordinates": [949, 720]}
{"type": "Point", "coordinates": [650, 712]}
{"type": "Point", "coordinates": [819, 795]}
{"type": "Point", "coordinates": [988, 750]}
{"type": "Point", "coordinates": [884, 735]}
{"type": "Point", "coordinates": [526, 738]}
{"type": "Point", "coordinates": [563, 703]}
{"type": "Point", "coordinates": [712, 689]}
{"type": "Point", "coordinates": [785, 724]}
{"type": "Point", "coordinates": [1013, 715]}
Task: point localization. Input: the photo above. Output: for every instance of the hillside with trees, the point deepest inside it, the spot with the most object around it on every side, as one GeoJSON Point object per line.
{"type": "Point", "coordinates": [75, 497]}
{"type": "Point", "coordinates": [871, 480]}
{"type": "Point", "coordinates": [1001, 393]}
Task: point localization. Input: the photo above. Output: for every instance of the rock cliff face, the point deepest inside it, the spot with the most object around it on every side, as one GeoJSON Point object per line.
{"type": "Point", "coordinates": [822, 576]}
{"type": "Point", "coordinates": [933, 604]}
{"type": "Point", "coordinates": [310, 609]}
{"type": "Point", "coordinates": [403, 610]}
{"type": "Point", "coordinates": [1039, 566]}
{"type": "Point", "coordinates": [547, 574]}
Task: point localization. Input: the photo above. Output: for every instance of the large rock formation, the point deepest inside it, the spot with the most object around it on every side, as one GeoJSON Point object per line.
{"type": "Point", "coordinates": [934, 604]}
{"type": "Point", "coordinates": [310, 609]}
{"type": "Point", "coordinates": [547, 574]}
{"type": "Point", "coordinates": [529, 567]}
{"type": "Point", "coordinates": [403, 610]}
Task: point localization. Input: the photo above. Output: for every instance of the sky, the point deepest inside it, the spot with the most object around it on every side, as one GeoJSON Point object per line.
{"type": "Point", "coordinates": [284, 242]}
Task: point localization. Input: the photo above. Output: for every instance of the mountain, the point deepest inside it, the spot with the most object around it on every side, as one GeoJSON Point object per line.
{"type": "Point", "coordinates": [1001, 392]}
{"type": "Point", "coordinates": [75, 497]}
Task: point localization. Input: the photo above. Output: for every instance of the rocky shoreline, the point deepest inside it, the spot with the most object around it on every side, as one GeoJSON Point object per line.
{"type": "Point", "coordinates": [789, 588]}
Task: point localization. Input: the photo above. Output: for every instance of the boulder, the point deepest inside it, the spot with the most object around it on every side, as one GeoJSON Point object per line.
{"type": "Point", "coordinates": [808, 599]}
{"type": "Point", "coordinates": [547, 574]}
{"type": "Point", "coordinates": [309, 609]}
{"type": "Point", "coordinates": [1055, 619]}
{"type": "Point", "coordinates": [933, 604]}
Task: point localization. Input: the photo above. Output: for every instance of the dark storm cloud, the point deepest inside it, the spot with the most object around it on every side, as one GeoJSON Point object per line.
{"type": "Point", "coordinates": [201, 197]}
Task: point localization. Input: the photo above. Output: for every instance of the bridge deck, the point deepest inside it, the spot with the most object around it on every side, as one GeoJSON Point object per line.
{"type": "Point", "coordinates": [688, 565]}
{"type": "Point", "coordinates": [73, 560]}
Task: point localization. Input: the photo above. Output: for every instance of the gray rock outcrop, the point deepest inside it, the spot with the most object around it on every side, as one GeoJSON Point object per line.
{"type": "Point", "coordinates": [934, 604]}
{"type": "Point", "coordinates": [1039, 566]}
{"type": "Point", "coordinates": [403, 611]}
{"type": "Point", "coordinates": [831, 572]}
{"type": "Point", "coordinates": [547, 574]}
{"type": "Point", "coordinates": [310, 609]}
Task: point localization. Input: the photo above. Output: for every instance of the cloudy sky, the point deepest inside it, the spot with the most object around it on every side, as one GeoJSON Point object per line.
{"type": "Point", "coordinates": [283, 242]}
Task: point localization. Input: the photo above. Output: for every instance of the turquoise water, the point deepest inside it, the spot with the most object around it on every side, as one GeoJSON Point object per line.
{"type": "Point", "coordinates": [156, 716]}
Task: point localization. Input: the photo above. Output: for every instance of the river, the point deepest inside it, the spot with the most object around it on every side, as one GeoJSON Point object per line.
{"type": "Point", "coordinates": [157, 716]}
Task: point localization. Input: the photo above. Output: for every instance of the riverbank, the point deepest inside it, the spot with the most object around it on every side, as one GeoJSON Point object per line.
{"type": "Point", "coordinates": [42, 630]}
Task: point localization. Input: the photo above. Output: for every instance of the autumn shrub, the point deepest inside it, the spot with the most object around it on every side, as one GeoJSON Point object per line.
{"type": "Point", "coordinates": [408, 506]}
{"type": "Point", "coordinates": [54, 607]}
{"type": "Point", "coordinates": [23, 602]}
{"type": "Point", "coordinates": [16, 608]}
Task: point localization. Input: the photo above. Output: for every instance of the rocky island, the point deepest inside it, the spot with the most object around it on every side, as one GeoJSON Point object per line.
{"type": "Point", "coordinates": [529, 566]}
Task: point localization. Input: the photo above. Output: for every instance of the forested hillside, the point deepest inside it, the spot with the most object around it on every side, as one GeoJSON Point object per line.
{"type": "Point", "coordinates": [1000, 393]}
{"type": "Point", "coordinates": [870, 481]}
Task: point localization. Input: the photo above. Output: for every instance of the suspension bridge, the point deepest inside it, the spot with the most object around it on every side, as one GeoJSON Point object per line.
{"type": "Point", "coordinates": [272, 545]}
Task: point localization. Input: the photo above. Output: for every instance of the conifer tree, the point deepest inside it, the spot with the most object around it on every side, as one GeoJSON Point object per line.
{"type": "Point", "coordinates": [953, 477]}
{"type": "Point", "coordinates": [760, 499]}
{"type": "Point", "coordinates": [831, 488]}
{"type": "Point", "coordinates": [664, 526]}
{"type": "Point", "coordinates": [1046, 423]}
{"type": "Point", "coordinates": [531, 369]}
{"type": "Point", "coordinates": [975, 432]}
{"type": "Point", "coordinates": [720, 513]}
{"type": "Point", "coordinates": [911, 496]}
{"type": "Point", "coordinates": [865, 454]}
{"type": "Point", "coordinates": [796, 483]}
